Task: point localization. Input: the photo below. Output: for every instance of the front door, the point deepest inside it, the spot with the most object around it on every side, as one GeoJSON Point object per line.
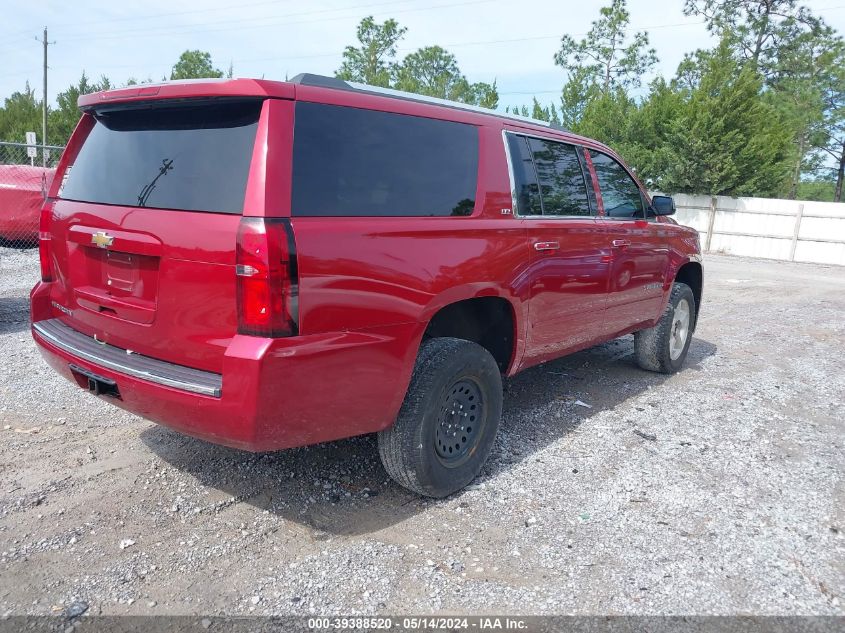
{"type": "Point", "coordinates": [639, 250]}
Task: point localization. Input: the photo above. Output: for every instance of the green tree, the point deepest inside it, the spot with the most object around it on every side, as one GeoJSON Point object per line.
{"type": "Point", "coordinates": [821, 190]}
{"type": "Point", "coordinates": [648, 145]}
{"type": "Point", "coordinates": [826, 133]}
{"type": "Point", "coordinates": [431, 71]}
{"type": "Point", "coordinates": [579, 91]}
{"type": "Point", "coordinates": [607, 56]}
{"type": "Point", "coordinates": [538, 111]}
{"type": "Point", "coordinates": [434, 71]}
{"type": "Point", "coordinates": [195, 65]}
{"type": "Point", "coordinates": [729, 139]}
{"type": "Point", "coordinates": [606, 117]}
{"type": "Point", "coordinates": [806, 77]}
{"type": "Point", "coordinates": [63, 119]}
{"type": "Point", "coordinates": [544, 113]}
{"type": "Point", "coordinates": [759, 30]}
{"type": "Point", "coordinates": [372, 62]}
{"type": "Point", "coordinates": [21, 113]}
{"type": "Point", "coordinates": [798, 56]}
{"type": "Point", "coordinates": [606, 61]}
{"type": "Point", "coordinates": [481, 94]}
{"type": "Point", "coordinates": [692, 66]}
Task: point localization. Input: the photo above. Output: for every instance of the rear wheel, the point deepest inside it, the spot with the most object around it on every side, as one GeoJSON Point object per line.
{"type": "Point", "coordinates": [664, 347]}
{"type": "Point", "coordinates": [448, 421]}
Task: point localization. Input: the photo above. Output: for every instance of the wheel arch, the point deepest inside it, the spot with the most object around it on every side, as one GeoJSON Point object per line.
{"type": "Point", "coordinates": [692, 274]}
{"type": "Point", "coordinates": [483, 316]}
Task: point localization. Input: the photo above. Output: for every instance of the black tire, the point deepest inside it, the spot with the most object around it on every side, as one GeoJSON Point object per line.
{"type": "Point", "coordinates": [656, 346]}
{"type": "Point", "coordinates": [420, 451]}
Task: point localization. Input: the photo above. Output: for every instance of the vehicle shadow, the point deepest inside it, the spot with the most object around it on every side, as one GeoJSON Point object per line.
{"type": "Point", "coordinates": [14, 314]}
{"type": "Point", "coordinates": [340, 488]}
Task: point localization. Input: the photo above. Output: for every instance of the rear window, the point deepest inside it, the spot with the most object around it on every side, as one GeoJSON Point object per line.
{"type": "Point", "coordinates": [354, 162]}
{"type": "Point", "coordinates": [527, 188]}
{"type": "Point", "coordinates": [562, 185]}
{"type": "Point", "coordinates": [192, 157]}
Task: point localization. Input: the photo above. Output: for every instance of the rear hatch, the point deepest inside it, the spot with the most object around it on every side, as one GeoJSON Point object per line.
{"type": "Point", "coordinates": [145, 225]}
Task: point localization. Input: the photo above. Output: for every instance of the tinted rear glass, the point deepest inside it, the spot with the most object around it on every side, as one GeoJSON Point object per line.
{"type": "Point", "coordinates": [525, 176]}
{"type": "Point", "coordinates": [353, 162]}
{"type": "Point", "coordinates": [187, 157]}
{"type": "Point", "coordinates": [562, 183]}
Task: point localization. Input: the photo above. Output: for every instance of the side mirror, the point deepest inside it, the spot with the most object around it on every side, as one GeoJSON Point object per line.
{"type": "Point", "coordinates": [663, 205]}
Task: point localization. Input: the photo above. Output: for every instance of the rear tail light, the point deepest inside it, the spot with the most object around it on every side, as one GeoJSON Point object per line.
{"type": "Point", "coordinates": [44, 242]}
{"type": "Point", "coordinates": [267, 278]}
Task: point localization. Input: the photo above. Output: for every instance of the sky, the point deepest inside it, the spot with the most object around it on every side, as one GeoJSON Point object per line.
{"type": "Point", "coordinates": [510, 42]}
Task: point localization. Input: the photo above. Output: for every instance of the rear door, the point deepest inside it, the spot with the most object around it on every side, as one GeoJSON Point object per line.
{"type": "Point", "coordinates": [568, 256]}
{"type": "Point", "coordinates": [639, 251]}
{"type": "Point", "coordinates": [145, 224]}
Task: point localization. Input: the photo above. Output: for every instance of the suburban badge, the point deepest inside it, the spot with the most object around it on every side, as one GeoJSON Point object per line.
{"type": "Point", "coordinates": [61, 308]}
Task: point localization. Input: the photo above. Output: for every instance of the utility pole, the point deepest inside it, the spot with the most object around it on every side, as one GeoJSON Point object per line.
{"type": "Point", "coordinates": [44, 103]}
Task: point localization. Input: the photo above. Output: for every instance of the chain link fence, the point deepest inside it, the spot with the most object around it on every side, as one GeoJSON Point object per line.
{"type": "Point", "coordinates": [26, 173]}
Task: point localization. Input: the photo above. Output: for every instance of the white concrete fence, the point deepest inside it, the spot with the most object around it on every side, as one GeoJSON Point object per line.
{"type": "Point", "coordinates": [790, 230]}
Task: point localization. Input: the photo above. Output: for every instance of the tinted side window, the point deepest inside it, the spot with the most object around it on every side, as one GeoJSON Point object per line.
{"type": "Point", "coordinates": [620, 194]}
{"type": "Point", "coordinates": [193, 157]}
{"type": "Point", "coordinates": [354, 162]}
{"type": "Point", "coordinates": [562, 186]}
{"type": "Point", "coordinates": [525, 177]}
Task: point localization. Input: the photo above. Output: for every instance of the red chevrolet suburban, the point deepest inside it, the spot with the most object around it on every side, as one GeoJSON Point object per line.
{"type": "Point", "coordinates": [267, 265]}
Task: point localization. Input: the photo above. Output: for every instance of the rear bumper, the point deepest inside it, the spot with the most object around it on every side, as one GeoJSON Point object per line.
{"type": "Point", "coordinates": [272, 394]}
{"type": "Point", "coordinates": [122, 361]}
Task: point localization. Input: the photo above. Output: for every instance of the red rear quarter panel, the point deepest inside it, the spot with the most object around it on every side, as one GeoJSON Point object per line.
{"type": "Point", "coordinates": [369, 273]}
{"type": "Point", "coordinates": [358, 274]}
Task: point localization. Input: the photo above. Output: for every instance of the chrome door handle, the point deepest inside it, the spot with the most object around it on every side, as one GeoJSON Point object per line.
{"type": "Point", "coordinates": [546, 246]}
{"type": "Point", "coordinates": [620, 243]}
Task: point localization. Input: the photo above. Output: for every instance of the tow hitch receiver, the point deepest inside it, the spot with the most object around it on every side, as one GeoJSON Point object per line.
{"type": "Point", "coordinates": [98, 385]}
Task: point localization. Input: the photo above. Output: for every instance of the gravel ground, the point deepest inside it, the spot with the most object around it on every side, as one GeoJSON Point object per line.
{"type": "Point", "coordinates": [715, 491]}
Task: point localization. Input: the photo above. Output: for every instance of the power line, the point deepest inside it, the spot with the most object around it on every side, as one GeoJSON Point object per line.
{"type": "Point", "coordinates": [150, 31]}
{"type": "Point", "coordinates": [456, 44]}
{"type": "Point", "coordinates": [134, 18]}
{"type": "Point", "coordinates": [338, 53]}
{"type": "Point", "coordinates": [262, 22]}
{"type": "Point", "coordinates": [531, 92]}
{"type": "Point", "coordinates": [515, 40]}
{"type": "Point", "coordinates": [299, 14]}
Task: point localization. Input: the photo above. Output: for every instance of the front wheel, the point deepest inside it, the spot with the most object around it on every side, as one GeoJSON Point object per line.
{"type": "Point", "coordinates": [447, 424]}
{"type": "Point", "coordinates": [664, 347]}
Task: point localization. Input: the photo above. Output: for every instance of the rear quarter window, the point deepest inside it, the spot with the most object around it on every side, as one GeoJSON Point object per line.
{"type": "Point", "coordinates": [356, 162]}
{"type": "Point", "coordinates": [192, 157]}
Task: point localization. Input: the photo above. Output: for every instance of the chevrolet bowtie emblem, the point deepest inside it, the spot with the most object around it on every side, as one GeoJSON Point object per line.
{"type": "Point", "coordinates": [102, 239]}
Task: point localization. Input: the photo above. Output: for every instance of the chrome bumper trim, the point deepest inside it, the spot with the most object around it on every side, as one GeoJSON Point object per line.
{"type": "Point", "coordinates": [67, 339]}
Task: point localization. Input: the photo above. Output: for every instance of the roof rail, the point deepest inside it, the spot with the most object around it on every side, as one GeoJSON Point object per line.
{"type": "Point", "coordinates": [309, 79]}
